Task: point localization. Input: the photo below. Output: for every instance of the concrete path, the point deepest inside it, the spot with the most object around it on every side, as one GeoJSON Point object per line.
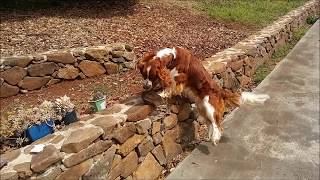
{"type": "Point", "coordinates": [279, 140]}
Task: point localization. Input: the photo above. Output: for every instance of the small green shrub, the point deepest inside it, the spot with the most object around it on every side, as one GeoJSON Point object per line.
{"type": "Point", "coordinates": [312, 19]}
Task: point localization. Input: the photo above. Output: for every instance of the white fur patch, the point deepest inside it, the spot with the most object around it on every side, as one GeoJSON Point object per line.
{"type": "Point", "coordinates": [166, 52]}
{"type": "Point", "coordinates": [214, 132]}
{"type": "Point", "coordinates": [250, 98]}
{"type": "Point", "coordinates": [148, 70]}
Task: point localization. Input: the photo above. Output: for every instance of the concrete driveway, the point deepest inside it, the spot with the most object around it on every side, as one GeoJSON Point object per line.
{"type": "Point", "coordinates": [279, 140]}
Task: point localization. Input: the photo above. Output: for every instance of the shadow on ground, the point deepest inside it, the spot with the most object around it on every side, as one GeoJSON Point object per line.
{"type": "Point", "coordinates": [25, 9]}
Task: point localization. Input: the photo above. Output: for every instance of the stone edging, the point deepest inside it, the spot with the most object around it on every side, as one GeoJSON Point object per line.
{"type": "Point", "coordinates": [234, 67]}
{"type": "Point", "coordinates": [26, 73]}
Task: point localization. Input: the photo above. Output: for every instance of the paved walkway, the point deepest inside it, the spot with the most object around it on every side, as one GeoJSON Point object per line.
{"type": "Point", "coordinates": [279, 140]}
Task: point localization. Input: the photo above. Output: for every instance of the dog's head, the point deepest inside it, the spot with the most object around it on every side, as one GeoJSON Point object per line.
{"type": "Point", "coordinates": [154, 71]}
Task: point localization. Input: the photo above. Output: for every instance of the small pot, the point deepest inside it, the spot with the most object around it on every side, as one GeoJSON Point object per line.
{"type": "Point", "coordinates": [99, 104]}
{"type": "Point", "coordinates": [70, 117]}
{"type": "Point", "coordinates": [38, 131]}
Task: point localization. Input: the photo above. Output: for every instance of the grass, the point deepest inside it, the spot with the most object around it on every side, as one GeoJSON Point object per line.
{"type": "Point", "coordinates": [263, 70]}
{"type": "Point", "coordinates": [253, 12]}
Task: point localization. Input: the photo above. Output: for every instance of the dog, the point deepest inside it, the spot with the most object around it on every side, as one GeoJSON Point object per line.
{"type": "Point", "coordinates": [178, 72]}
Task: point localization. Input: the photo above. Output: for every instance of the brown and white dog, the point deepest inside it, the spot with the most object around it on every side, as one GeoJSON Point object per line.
{"type": "Point", "coordinates": [178, 71]}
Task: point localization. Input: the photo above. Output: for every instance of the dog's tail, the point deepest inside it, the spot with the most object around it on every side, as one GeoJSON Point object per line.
{"type": "Point", "coordinates": [233, 99]}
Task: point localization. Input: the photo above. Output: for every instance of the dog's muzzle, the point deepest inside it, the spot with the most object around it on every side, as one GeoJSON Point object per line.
{"type": "Point", "coordinates": [147, 84]}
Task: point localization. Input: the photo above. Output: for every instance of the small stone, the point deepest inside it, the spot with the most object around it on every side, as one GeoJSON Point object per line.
{"type": "Point", "coordinates": [117, 54]}
{"type": "Point", "coordinates": [143, 126]}
{"type": "Point", "coordinates": [244, 80]}
{"type": "Point", "coordinates": [130, 144]}
{"type": "Point", "coordinates": [184, 112]}
{"type": "Point", "coordinates": [152, 98]}
{"type": "Point", "coordinates": [157, 138]}
{"type": "Point", "coordinates": [97, 54]}
{"type": "Point", "coordinates": [81, 75]}
{"type": "Point", "coordinates": [69, 72]}
{"type": "Point", "coordinates": [123, 133]}
{"type": "Point", "coordinates": [111, 110]}
{"type": "Point", "coordinates": [171, 148]}
{"type": "Point", "coordinates": [129, 65]}
{"type": "Point", "coordinates": [236, 65]}
{"type": "Point", "coordinates": [111, 68]}
{"type": "Point", "coordinates": [129, 56]}
{"type": "Point", "coordinates": [158, 153]}
{"type": "Point", "coordinates": [128, 47]}
{"type": "Point", "coordinates": [22, 61]}
{"type": "Point", "coordinates": [32, 83]}
{"type": "Point", "coordinates": [91, 68]}
{"type": "Point", "coordinates": [61, 57]}
{"type": "Point", "coordinates": [23, 170]}
{"type": "Point", "coordinates": [87, 153]}
{"type": "Point", "coordinates": [11, 155]}
{"type": "Point", "coordinates": [118, 60]}
{"type": "Point", "coordinates": [49, 174]}
{"type": "Point", "coordinates": [116, 160]}
{"type": "Point", "coordinates": [80, 139]}
{"type": "Point", "coordinates": [145, 146]}
{"type": "Point", "coordinates": [7, 90]}
{"type": "Point", "coordinates": [101, 168]}
{"type": "Point", "coordinates": [47, 157]}
{"type": "Point", "coordinates": [42, 69]}
{"type": "Point", "coordinates": [10, 175]}
{"type": "Point", "coordinates": [170, 121]}
{"type": "Point", "coordinates": [14, 75]}
{"type": "Point", "coordinates": [53, 81]}
{"type": "Point", "coordinates": [156, 126]}
{"type": "Point", "coordinates": [108, 124]}
{"type": "Point", "coordinates": [138, 112]}
{"type": "Point", "coordinates": [3, 162]}
{"type": "Point", "coordinates": [148, 169]}
{"type": "Point", "coordinates": [229, 80]}
{"type": "Point", "coordinates": [115, 172]}
{"type": "Point", "coordinates": [75, 172]}
{"type": "Point", "coordinates": [129, 164]}
{"type": "Point", "coordinates": [174, 109]}
{"type": "Point", "coordinates": [215, 67]}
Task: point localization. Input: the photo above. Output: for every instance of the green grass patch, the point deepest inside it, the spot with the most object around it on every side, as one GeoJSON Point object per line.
{"type": "Point", "coordinates": [254, 12]}
{"type": "Point", "coordinates": [263, 70]}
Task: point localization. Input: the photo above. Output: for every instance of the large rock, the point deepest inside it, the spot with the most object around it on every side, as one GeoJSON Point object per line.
{"type": "Point", "coordinates": [111, 110]}
{"type": "Point", "coordinates": [75, 172]}
{"type": "Point", "coordinates": [170, 121]}
{"type": "Point", "coordinates": [32, 83]}
{"type": "Point", "coordinates": [9, 175]}
{"type": "Point", "coordinates": [81, 139]}
{"type": "Point", "coordinates": [97, 54]}
{"type": "Point", "coordinates": [14, 75]}
{"type": "Point", "coordinates": [69, 72]}
{"type": "Point", "coordinates": [61, 57]}
{"type": "Point", "coordinates": [22, 61]}
{"type": "Point", "coordinates": [156, 126]}
{"type": "Point", "coordinates": [101, 168]}
{"type": "Point", "coordinates": [11, 155]}
{"type": "Point", "coordinates": [108, 124]}
{"type": "Point", "coordinates": [129, 164]}
{"type": "Point", "coordinates": [129, 56]}
{"type": "Point", "coordinates": [91, 68]}
{"type": "Point", "coordinates": [23, 170]}
{"type": "Point", "coordinates": [47, 157]}
{"type": "Point", "coordinates": [42, 69]}
{"type": "Point", "coordinates": [157, 138]}
{"type": "Point", "coordinates": [215, 67]}
{"type": "Point", "coordinates": [7, 90]}
{"type": "Point", "coordinates": [236, 65]}
{"type": "Point", "coordinates": [229, 80]}
{"type": "Point", "coordinates": [171, 148]}
{"type": "Point", "coordinates": [148, 169]}
{"type": "Point", "coordinates": [49, 174]}
{"type": "Point", "coordinates": [145, 146]}
{"type": "Point", "coordinates": [87, 153]}
{"type": "Point", "coordinates": [130, 144]}
{"type": "Point", "coordinates": [143, 126]}
{"type": "Point", "coordinates": [138, 112]}
{"type": "Point", "coordinates": [158, 153]}
{"type": "Point", "coordinates": [123, 133]}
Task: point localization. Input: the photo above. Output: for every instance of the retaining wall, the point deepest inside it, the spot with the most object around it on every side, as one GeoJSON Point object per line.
{"type": "Point", "coordinates": [26, 73]}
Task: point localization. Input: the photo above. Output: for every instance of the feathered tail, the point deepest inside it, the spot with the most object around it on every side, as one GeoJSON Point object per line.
{"type": "Point", "coordinates": [232, 99]}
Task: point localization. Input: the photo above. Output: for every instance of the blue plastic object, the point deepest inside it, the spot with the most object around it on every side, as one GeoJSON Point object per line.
{"type": "Point", "coordinates": [38, 131]}
{"type": "Point", "coordinates": [70, 117]}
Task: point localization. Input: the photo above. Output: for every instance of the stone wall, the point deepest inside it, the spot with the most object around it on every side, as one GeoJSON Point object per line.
{"type": "Point", "coordinates": [131, 140]}
{"type": "Point", "coordinates": [234, 67]}
{"type": "Point", "coordinates": [26, 73]}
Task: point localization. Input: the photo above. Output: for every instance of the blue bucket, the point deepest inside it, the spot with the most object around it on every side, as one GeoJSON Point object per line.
{"type": "Point", "coordinates": [70, 117]}
{"type": "Point", "coordinates": [38, 131]}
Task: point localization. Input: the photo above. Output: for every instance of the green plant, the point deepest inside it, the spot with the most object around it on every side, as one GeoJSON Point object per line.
{"type": "Point", "coordinates": [312, 19]}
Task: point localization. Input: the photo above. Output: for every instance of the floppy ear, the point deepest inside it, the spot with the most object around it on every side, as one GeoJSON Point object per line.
{"type": "Point", "coordinates": [164, 75]}
{"type": "Point", "coordinates": [164, 61]}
